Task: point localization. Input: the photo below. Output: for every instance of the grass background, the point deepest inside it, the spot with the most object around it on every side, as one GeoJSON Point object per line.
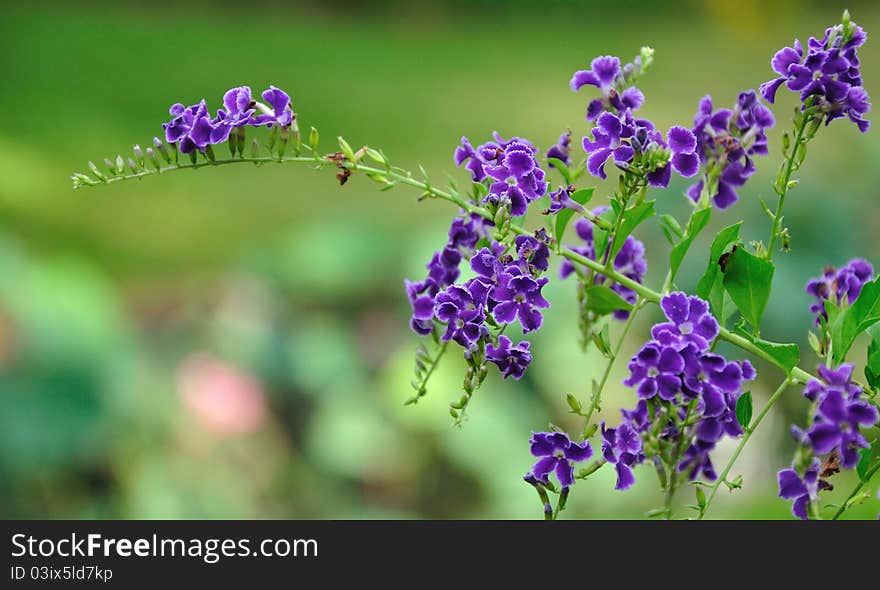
{"type": "Point", "coordinates": [293, 285]}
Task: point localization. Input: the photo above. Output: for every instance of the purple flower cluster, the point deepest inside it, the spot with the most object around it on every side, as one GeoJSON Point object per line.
{"type": "Point", "coordinates": [839, 414]}
{"type": "Point", "coordinates": [826, 75]}
{"type": "Point", "coordinates": [726, 138]}
{"type": "Point", "coordinates": [803, 490]}
{"type": "Point", "coordinates": [507, 287]}
{"type": "Point", "coordinates": [193, 128]}
{"type": "Point", "coordinates": [443, 271]}
{"type": "Point", "coordinates": [622, 447]}
{"type": "Point", "coordinates": [607, 75]}
{"type": "Point", "coordinates": [556, 453]}
{"type": "Point", "coordinates": [511, 168]}
{"type": "Point", "coordinates": [631, 143]}
{"type": "Point", "coordinates": [629, 261]}
{"type": "Point", "coordinates": [839, 286]}
{"type": "Point", "coordinates": [687, 394]}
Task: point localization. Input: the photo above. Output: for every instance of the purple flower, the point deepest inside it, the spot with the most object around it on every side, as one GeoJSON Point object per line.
{"type": "Point", "coordinates": [518, 296]}
{"type": "Point", "coordinates": [512, 361]}
{"type": "Point", "coordinates": [606, 143]}
{"type": "Point", "coordinates": [636, 145]}
{"type": "Point", "coordinates": [443, 271]}
{"type": "Point", "coordinates": [561, 199]}
{"type": "Point", "coordinates": [461, 307]}
{"type": "Point", "coordinates": [190, 127]}
{"type": "Point", "coordinates": [725, 141]}
{"type": "Point", "coordinates": [697, 460]}
{"type": "Point", "coordinates": [803, 490]}
{"type": "Point", "coordinates": [560, 151]}
{"type": "Point", "coordinates": [614, 81]}
{"type": "Point", "coordinates": [622, 447]}
{"type": "Point", "coordinates": [683, 145]}
{"type": "Point", "coordinates": [689, 321]}
{"type": "Point", "coordinates": [602, 74]}
{"type": "Point", "coordinates": [838, 286]}
{"type": "Point", "coordinates": [826, 75]}
{"type": "Point", "coordinates": [556, 452]}
{"type": "Point", "coordinates": [281, 112]}
{"type": "Point", "coordinates": [710, 376]}
{"type": "Point", "coordinates": [517, 177]}
{"type": "Point", "coordinates": [840, 413]}
{"type": "Point", "coordinates": [238, 107]}
{"type": "Point", "coordinates": [656, 369]}
{"type": "Point", "coordinates": [533, 253]}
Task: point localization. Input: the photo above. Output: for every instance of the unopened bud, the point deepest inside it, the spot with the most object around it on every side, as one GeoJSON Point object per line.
{"type": "Point", "coordinates": [100, 176]}
{"type": "Point", "coordinates": [314, 139]}
{"type": "Point", "coordinates": [161, 149]}
{"type": "Point", "coordinates": [138, 155]}
{"type": "Point", "coordinates": [154, 160]}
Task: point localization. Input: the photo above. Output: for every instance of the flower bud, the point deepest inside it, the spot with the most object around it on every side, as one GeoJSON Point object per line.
{"type": "Point", "coordinates": [138, 155]}
{"type": "Point", "coordinates": [154, 160]}
{"type": "Point", "coordinates": [133, 166]}
{"type": "Point", "coordinates": [314, 139]}
{"type": "Point", "coordinates": [97, 172]}
{"type": "Point", "coordinates": [161, 149]}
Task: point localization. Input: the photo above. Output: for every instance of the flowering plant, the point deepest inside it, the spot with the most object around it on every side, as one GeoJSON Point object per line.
{"type": "Point", "coordinates": [482, 291]}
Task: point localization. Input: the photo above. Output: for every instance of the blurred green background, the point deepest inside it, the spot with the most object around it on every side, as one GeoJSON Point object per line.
{"type": "Point", "coordinates": [233, 342]}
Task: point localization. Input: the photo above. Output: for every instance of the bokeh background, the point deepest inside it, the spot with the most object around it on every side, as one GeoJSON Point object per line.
{"type": "Point", "coordinates": [233, 342]}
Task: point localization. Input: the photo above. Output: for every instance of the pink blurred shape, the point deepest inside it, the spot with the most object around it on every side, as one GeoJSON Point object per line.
{"type": "Point", "coordinates": [224, 399]}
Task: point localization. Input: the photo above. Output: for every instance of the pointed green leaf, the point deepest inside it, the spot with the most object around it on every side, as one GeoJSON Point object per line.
{"type": "Point", "coordinates": [744, 410]}
{"type": "Point", "coordinates": [563, 169]}
{"type": "Point", "coordinates": [698, 221]}
{"type": "Point", "coordinates": [747, 279]}
{"type": "Point", "coordinates": [671, 228]}
{"type": "Point", "coordinates": [711, 279]}
{"type": "Point", "coordinates": [632, 217]}
{"type": "Point", "coordinates": [855, 319]}
{"type": "Point", "coordinates": [786, 356]}
{"type": "Point", "coordinates": [864, 462]}
{"type": "Point", "coordinates": [602, 300]}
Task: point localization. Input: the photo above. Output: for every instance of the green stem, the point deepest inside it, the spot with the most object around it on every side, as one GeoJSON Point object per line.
{"type": "Point", "coordinates": [782, 183]}
{"type": "Point", "coordinates": [646, 293]}
{"type": "Point", "coordinates": [597, 395]}
{"type": "Point", "coordinates": [862, 482]}
{"type": "Point", "coordinates": [674, 476]}
{"type": "Point", "coordinates": [749, 430]}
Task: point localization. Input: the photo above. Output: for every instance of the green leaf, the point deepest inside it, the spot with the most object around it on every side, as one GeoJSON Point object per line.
{"type": "Point", "coordinates": [744, 410]}
{"type": "Point", "coordinates": [581, 196]}
{"type": "Point", "coordinates": [872, 364]}
{"type": "Point", "coordinates": [671, 228]}
{"type": "Point", "coordinates": [563, 169]}
{"type": "Point", "coordinates": [701, 499]}
{"type": "Point", "coordinates": [698, 221]}
{"type": "Point", "coordinates": [710, 286]}
{"type": "Point", "coordinates": [855, 319]}
{"type": "Point", "coordinates": [600, 236]}
{"type": "Point", "coordinates": [786, 356]}
{"type": "Point", "coordinates": [747, 279]}
{"type": "Point", "coordinates": [864, 463]}
{"type": "Point", "coordinates": [602, 300]}
{"type": "Point", "coordinates": [573, 403]}
{"type": "Point", "coordinates": [632, 217]}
